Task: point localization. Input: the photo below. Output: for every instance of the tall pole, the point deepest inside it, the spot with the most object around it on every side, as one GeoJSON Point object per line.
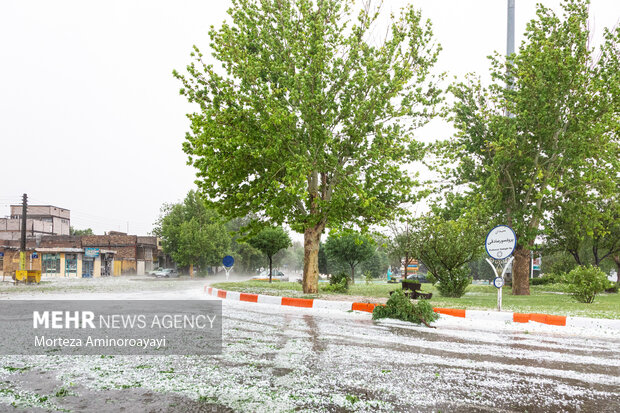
{"type": "Point", "coordinates": [510, 35]}
{"type": "Point", "coordinates": [510, 43]}
{"type": "Point", "coordinates": [22, 252]}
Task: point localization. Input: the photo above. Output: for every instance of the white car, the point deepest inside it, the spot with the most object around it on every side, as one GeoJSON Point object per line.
{"type": "Point", "coordinates": [166, 273]}
{"type": "Point", "coordinates": [275, 275]}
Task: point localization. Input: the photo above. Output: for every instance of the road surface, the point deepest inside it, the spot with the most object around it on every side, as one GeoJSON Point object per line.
{"type": "Point", "coordinates": [279, 359]}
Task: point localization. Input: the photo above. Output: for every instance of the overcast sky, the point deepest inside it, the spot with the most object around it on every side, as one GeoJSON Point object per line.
{"type": "Point", "coordinates": [90, 115]}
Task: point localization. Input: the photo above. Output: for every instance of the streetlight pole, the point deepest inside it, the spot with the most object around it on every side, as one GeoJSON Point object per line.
{"type": "Point", "coordinates": [510, 35]}
{"type": "Point", "coordinates": [510, 43]}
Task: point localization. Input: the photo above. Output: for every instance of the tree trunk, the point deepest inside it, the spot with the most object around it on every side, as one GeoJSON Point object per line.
{"type": "Point", "coordinates": [521, 271]}
{"type": "Point", "coordinates": [617, 261]}
{"type": "Point", "coordinates": [269, 270]}
{"type": "Point", "coordinates": [312, 239]}
{"type": "Point", "coordinates": [405, 266]}
{"type": "Point", "coordinates": [191, 270]}
{"type": "Point", "coordinates": [352, 274]}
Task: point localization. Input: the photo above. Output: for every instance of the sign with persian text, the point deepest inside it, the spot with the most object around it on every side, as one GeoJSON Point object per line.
{"type": "Point", "coordinates": [500, 242]}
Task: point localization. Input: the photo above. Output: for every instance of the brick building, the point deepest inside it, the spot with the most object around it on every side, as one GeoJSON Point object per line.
{"type": "Point", "coordinates": [134, 254]}
{"type": "Point", "coordinates": [82, 256]}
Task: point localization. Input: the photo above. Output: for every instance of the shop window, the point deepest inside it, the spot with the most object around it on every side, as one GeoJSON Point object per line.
{"type": "Point", "coordinates": [71, 263]}
{"type": "Point", "coordinates": [51, 263]}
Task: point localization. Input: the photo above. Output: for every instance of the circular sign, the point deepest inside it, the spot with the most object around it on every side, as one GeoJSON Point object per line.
{"type": "Point", "coordinates": [228, 261]}
{"type": "Point", "coordinates": [501, 242]}
{"type": "Point", "coordinates": [498, 282]}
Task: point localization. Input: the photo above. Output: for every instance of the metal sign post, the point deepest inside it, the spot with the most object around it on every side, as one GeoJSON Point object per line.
{"type": "Point", "coordinates": [498, 282]}
{"type": "Point", "coordinates": [228, 263]}
{"type": "Point", "coordinates": [500, 244]}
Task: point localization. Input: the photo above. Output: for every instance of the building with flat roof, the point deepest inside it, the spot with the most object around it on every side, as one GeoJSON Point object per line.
{"type": "Point", "coordinates": [41, 220]}
{"type": "Point", "coordinates": [82, 256]}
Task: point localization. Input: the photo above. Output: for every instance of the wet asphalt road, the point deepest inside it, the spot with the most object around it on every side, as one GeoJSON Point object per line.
{"type": "Point", "coordinates": [287, 359]}
{"type": "Point", "coordinates": [455, 367]}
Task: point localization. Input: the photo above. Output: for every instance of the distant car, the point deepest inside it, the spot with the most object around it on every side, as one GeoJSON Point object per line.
{"type": "Point", "coordinates": [152, 272]}
{"type": "Point", "coordinates": [419, 278]}
{"type": "Point", "coordinates": [166, 272]}
{"type": "Point", "coordinates": [275, 275]}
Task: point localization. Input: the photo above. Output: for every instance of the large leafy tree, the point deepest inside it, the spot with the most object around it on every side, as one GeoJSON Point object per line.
{"type": "Point", "coordinates": [270, 241]}
{"type": "Point", "coordinates": [309, 120]}
{"type": "Point", "coordinates": [558, 116]}
{"type": "Point", "coordinates": [350, 248]}
{"type": "Point", "coordinates": [192, 233]}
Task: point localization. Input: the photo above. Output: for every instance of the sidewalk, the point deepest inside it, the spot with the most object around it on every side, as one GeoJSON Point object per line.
{"type": "Point", "coordinates": [556, 320]}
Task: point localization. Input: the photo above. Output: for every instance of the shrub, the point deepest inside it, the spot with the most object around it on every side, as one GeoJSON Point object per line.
{"type": "Point", "coordinates": [340, 278]}
{"type": "Point", "coordinates": [586, 282]}
{"type": "Point", "coordinates": [338, 283]}
{"type": "Point", "coordinates": [451, 283]}
{"type": "Point", "coordinates": [400, 307]}
{"type": "Point", "coordinates": [549, 279]}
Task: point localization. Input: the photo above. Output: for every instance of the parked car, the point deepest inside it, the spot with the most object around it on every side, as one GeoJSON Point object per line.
{"type": "Point", "coordinates": [421, 278]}
{"type": "Point", "coordinates": [166, 272]}
{"type": "Point", "coordinates": [152, 272]}
{"type": "Point", "coordinates": [275, 275]}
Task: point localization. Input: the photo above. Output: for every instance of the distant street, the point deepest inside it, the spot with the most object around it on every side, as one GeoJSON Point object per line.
{"type": "Point", "coordinates": [287, 359]}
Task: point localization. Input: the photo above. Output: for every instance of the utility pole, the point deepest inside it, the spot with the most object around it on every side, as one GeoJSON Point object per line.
{"type": "Point", "coordinates": [510, 35]}
{"type": "Point", "coordinates": [510, 43]}
{"type": "Point", "coordinates": [22, 250]}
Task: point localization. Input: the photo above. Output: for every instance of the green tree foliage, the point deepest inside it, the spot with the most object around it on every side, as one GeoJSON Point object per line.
{"type": "Point", "coordinates": [562, 106]}
{"type": "Point", "coordinates": [350, 248]}
{"type": "Point", "coordinates": [322, 258]}
{"type": "Point", "coordinates": [446, 247]}
{"type": "Point", "coordinates": [400, 307]}
{"type": "Point", "coordinates": [309, 121]}
{"type": "Point", "coordinates": [192, 233]}
{"type": "Point", "coordinates": [80, 232]}
{"type": "Point", "coordinates": [480, 268]}
{"type": "Point", "coordinates": [587, 227]}
{"type": "Point", "coordinates": [247, 258]}
{"type": "Point", "coordinates": [377, 264]}
{"type": "Point", "coordinates": [270, 241]}
{"type": "Point", "coordinates": [586, 283]}
{"type": "Point", "coordinates": [400, 245]}
{"type": "Point", "coordinates": [338, 283]}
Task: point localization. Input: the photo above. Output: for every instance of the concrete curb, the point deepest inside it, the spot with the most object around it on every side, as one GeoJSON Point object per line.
{"type": "Point", "coordinates": [556, 320]}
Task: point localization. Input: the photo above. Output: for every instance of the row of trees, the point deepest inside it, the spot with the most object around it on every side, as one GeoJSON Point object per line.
{"type": "Point", "coordinates": [308, 120]}
{"type": "Point", "coordinates": [195, 235]}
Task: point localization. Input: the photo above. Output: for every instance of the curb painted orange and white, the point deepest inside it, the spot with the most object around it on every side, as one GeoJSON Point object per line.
{"type": "Point", "coordinates": [556, 320]}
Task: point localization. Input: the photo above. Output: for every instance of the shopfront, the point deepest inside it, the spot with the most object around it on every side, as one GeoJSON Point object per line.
{"type": "Point", "coordinates": [50, 263]}
{"type": "Point", "coordinates": [61, 262]}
